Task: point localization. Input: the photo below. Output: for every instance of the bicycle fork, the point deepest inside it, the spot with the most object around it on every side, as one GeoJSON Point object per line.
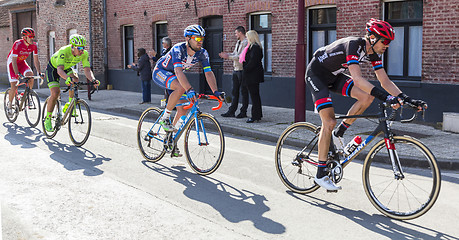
{"type": "Point", "coordinates": [395, 160]}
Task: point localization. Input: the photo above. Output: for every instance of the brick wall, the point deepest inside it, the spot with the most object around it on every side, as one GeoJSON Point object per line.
{"type": "Point", "coordinates": [440, 46]}
{"type": "Point", "coordinates": [5, 34]}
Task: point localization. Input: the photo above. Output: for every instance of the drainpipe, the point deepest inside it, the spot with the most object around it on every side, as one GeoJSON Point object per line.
{"type": "Point", "coordinates": [106, 80]}
{"type": "Point", "coordinates": [300, 69]}
{"type": "Point", "coordinates": [90, 46]}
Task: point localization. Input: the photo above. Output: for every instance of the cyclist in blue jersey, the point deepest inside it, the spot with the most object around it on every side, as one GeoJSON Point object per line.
{"type": "Point", "coordinates": [325, 73]}
{"type": "Point", "coordinates": [169, 72]}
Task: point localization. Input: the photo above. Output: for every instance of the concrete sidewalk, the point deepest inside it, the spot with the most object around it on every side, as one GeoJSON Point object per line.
{"type": "Point", "coordinates": [444, 145]}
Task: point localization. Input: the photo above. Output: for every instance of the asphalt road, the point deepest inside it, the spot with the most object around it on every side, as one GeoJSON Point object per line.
{"type": "Point", "coordinates": [50, 189]}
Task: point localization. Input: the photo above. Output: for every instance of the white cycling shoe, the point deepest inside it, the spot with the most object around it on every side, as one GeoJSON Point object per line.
{"type": "Point", "coordinates": [327, 183]}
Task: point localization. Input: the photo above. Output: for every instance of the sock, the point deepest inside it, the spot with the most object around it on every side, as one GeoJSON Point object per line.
{"type": "Point", "coordinates": [167, 114]}
{"type": "Point", "coordinates": [341, 129]}
{"type": "Point", "coordinates": [48, 114]}
{"type": "Point", "coordinates": [321, 169]}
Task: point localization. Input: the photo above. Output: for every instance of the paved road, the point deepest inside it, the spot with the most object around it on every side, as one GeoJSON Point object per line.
{"type": "Point", "coordinates": [50, 189]}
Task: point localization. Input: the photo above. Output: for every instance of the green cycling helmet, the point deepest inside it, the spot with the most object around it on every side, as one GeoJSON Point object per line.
{"type": "Point", "coordinates": [77, 40]}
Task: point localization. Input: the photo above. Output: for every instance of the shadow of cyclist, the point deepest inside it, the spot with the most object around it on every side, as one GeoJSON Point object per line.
{"type": "Point", "coordinates": [376, 223]}
{"type": "Point", "coordinates": [16, 132]}
{"type": "Point", "coordinates": [75, 158]}
{"type": "Point", "coordinates": [233, 204]}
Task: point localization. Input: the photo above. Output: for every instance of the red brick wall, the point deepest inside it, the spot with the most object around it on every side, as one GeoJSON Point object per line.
{"type": "Point", "coordinates": [440, 46]}
{"type": "Point", "coordinates": [5, 33]}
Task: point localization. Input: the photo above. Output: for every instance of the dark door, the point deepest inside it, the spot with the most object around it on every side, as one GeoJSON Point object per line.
{"type": "Point", "coordinates": [213, 43]}
{"type": "Point", "coordinates": [23, 20]}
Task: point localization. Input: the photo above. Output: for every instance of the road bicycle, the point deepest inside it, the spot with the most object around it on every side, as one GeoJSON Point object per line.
{"type": "Point", "coordinates": [400, 174]}
{"type": "Point", "coordinates": [77, 115]}
{"type": "Point", "coordinates": [204, 142]}
{"type": "Point", "coordinates": [27, 101]}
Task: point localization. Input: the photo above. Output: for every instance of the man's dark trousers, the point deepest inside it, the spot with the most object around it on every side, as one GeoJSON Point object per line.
{"type": "Point", "coordinates": [239, 85]}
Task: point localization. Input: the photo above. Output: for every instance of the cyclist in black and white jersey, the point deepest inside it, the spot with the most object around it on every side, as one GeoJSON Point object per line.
{"type": "Point", "coordinates": [325, 73]}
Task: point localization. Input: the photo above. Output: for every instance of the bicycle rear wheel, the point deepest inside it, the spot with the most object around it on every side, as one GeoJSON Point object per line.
{"type": "Point", "coordinates": [55, 119]}
{"type": "Point", "coordinates": [32, 108]}
{"type": "Point", "coordinates": [150, 135]}
{"type": "Point", "coordinates": [11, 117]}
{"type": "Point", "coordinates": [407, 195]}
{"type": "Point", "coordinates": [79, 122]}
{"type": "Point", "coordinates": [204, 144]}
{"type": "Point", "coordinates": [297, 146]}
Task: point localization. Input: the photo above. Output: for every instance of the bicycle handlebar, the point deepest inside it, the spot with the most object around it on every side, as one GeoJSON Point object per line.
{"type": "Point", "coordinates": [392, 116]}
{"type": "Point", "coordinates": [27, 78]}
{"type": "Point", "coordinates": [220, 103]}
{"type": "Point", "coordinates": [77, 84]}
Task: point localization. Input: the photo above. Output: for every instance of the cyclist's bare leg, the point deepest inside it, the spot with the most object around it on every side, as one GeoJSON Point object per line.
{"type": "Point", "coordinates": [31, 81]}
{"type": "Point", "coordinates": [55, 91]}
{"type": "Point", "coordinates": [13, 90]}
{"type": "Point", "coordinates": [364, 100]}
{"type": "Point", "coordinates": [174, 98]}
{"type": "Point", "coordinates": [327, 115]}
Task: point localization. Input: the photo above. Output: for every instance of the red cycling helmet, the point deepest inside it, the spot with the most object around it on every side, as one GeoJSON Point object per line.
{"type": "Point", "coordinates": [380, 28]}
{"type": "Point", "coordinates": [29, 32]}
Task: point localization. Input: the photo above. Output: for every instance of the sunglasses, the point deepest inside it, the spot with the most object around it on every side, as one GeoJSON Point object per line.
{"type": "Point", "coordinates": [31, 36]}
{"type": "Point", "coordinates": [80, 48]}
{"type": "Point", "coordinates": [197, 39]}
{"type": "Point", "coordinates": [385, 41]}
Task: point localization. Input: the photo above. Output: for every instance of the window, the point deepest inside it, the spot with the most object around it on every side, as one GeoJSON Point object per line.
{"type": "Point", "coordinates": [128, 45]}
{"type": "Point", "coordinates": [322, 28]}
{"type": "Point", "coordinates": [161, 31]}
{"type": "Point", "coordinates": [262, 24]}
{"type": "Point", "coordinates": [404, 56]}
{"type": "Point", "coordinates": [71, 32]}
{"type": "Point", "coordinates": [52, 43]}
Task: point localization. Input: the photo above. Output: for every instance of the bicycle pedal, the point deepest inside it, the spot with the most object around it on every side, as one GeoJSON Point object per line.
{"type": "Point", "coordinates": [332, 191]}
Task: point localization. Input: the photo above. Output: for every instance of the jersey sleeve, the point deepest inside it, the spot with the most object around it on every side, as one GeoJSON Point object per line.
{"type": "Point", "coordinates": [176, 56]}
{"type": "Point", "coordinates": [85, 59]}
{"type": "Point", "coordinates": [376, 61]}
{"type": "Point", "coordinates": [35, 48]}
{"type": "Point", "coordinates": [204, 59]}
{"type": "Point", "coordinates": [60, 61]}
{"type": "Point", "coordinates": [15, 50]}
{"type": "Point", "coordinates": [353, 50]}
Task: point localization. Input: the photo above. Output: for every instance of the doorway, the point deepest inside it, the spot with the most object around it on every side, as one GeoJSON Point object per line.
{"type": "Point", "coordinates": [213, 43]}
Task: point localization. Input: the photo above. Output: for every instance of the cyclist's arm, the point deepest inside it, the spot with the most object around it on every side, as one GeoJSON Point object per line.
{"type": "Point", "coordinates": [36, 61]}
{"type": "Point", "coordinates": [15, 65]}
{"type": "Point", "coordinates": [359, 81]}
{"type": "Point", "coordinates": [211, 80]}
{"type": "Point", "coordinates": [88, 73]}
{"type": "Point", "coordinates": [182, 78]}
{"type": "Point", "coordinates": [63, 74]}
{"type": "Point", "coordinates": [386, 83]}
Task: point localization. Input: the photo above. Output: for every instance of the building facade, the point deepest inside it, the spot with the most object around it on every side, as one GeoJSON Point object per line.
{"type": "Point", "coordinates": [423, 59]}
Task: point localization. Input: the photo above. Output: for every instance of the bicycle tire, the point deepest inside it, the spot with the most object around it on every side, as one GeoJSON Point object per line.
{"type": "Point", "coordinates": [79, 122]}
{"type": "Point", "coordinates": [151, 145]}
{"type": "Point", "coordinates": [295, 173]}
{"type": "Point", "coordinates": [421, 173]}
{"type": "Point", "coordinates": [32, 108]}
{"type": "Point", "coordinates": [55, 118]}
{"type": "Point", "coordinates": [204, 144]}
{"type": "Point", "coordinates": [6, 100]}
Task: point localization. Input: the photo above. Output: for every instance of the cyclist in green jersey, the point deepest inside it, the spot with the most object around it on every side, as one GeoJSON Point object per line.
{"type": "Point", "coordinates": [60, 66]}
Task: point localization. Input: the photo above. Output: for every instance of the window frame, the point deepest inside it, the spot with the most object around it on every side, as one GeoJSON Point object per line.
{"type": "Point", "coordinates": [51, 43]}
{"type": "Point", "coordinates": [406, 24]}
{"type": "Point", "coordinates": [319, 27]}
{"type": "Point", "coordinates": [159, 37]}
{"type": "Point", "coordinates": [264, 32]}
{"type": "Point", "coordinates": [125, 39]}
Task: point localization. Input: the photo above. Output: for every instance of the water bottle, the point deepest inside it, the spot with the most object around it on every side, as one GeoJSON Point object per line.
{"type": "Point", "coordinates": [352, 145]}
{"type": "Point", "coordinates": [180, 121]}
{"type": "Point", "coordinates": [20, 96]}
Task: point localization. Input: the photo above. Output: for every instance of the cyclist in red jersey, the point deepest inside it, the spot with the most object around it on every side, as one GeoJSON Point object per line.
{"type": "Point", "coordinates": [325, 73]}
{"type": "Point", "coordinates": [17, 67]}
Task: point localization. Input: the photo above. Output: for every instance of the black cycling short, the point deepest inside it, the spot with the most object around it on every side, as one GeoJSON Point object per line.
{"type": "Point", "coordinates": [321, 82]}
{"type": "Point", "coordinates": [52, 77]}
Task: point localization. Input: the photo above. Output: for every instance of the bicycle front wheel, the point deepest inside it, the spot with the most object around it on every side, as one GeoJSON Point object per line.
{"type": "Point", "coordinates": [408, 189]}
{"type": "Point", "coordinates": [13, 115]}
{"type": "Point", "coordinates": [79, 122]}
{"type": "Point", "coordinates": [150, 135]}
{"type": "Point", "coordinates": [55, 119]}
{"type": "Point", "coordinates": [296, 156]}
{"type": "Point", "coordinates": [204, 144]}
{"type": "Point", "coordinates": [32, 108]}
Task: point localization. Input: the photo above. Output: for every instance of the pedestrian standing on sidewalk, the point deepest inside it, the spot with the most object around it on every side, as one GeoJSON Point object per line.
{"type": "Point", "coordinates": [253, 73]}
{"type": "Point", "coordinates": [143, 68]}
{"type": "Point", "coordinates": [237, 76]}
{"type": "Point", "coordinates": [155, 56]}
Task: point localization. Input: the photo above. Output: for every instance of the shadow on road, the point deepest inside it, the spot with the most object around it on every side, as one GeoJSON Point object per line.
{"type": "Point", "coordinates": [376, 223]}
{"type": "Point", "coordinates": [14, 131]}
{"type": "Point", "coordinates": [235, 205]}
{"type": "Point", "coordinates": [75, 158]}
